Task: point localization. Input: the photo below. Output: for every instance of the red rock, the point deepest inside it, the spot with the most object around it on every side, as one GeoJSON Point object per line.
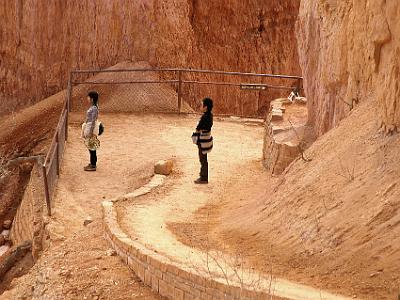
{"type": "Point", "coordinates": [348, 50]}
{"type": "Point", "coordinates": [176, 33]}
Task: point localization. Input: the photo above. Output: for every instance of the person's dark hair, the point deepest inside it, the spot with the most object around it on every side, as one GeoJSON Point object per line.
{"type": "Point", "coordinates": [95, 97]}
{"type": "Point", "coordinates": [209, 103]}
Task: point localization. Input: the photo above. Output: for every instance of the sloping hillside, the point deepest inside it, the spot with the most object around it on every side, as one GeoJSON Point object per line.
{"type": "Point", "coordinates": [332, 222]}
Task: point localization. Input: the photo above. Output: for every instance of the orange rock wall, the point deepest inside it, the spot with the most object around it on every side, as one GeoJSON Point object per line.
{"type": "Point", "coordinates": [41, 40]}
{"type": "Point", "coordinates": [349, 52]}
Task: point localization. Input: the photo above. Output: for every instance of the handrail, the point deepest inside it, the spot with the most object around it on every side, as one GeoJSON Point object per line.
{"type": "Point", "coordinates": [185, 81]}
{"type": "Point", "coordinates": [242, 73]}
{"type": "Point", "coordinates": [124, 82]}
{"type": "Point", "coordinates": [238, 84]}
{"type": "Point", "coordinates": [188, 71]}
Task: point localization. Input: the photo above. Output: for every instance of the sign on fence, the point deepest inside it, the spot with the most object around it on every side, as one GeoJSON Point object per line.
{"type": "Point", "coordinates": [252, 86]}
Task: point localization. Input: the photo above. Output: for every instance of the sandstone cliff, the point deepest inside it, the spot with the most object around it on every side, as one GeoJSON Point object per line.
{"type": "Point", "coordinates": [41, 41]}
{"type": "Point", "coordinates": [349, 52]}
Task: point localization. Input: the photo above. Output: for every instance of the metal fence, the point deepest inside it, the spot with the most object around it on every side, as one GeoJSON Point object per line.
{"type": "Point", "coordinates": [180, 90]}
{"type": "Point", "coordinates": [52, 163]}
{"type": "Point", "coordinates": [163, 91]}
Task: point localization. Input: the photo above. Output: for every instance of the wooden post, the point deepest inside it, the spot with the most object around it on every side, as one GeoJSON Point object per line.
{"type": "Point", "coordinates": [69, 91]}
{"type": "Point", "coordinates": [179, 91]}
{"type": "Point", "coordinates": [69, 95]}
{"type": "Point", "coordinates": [46, 189]}
{"type": "Point", "coordinates": [298, 86]}
{"type": "Point", "coordinates": [57, 149]}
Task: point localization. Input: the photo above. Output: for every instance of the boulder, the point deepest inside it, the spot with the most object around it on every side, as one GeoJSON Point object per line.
{"type": "Point", "coordinates": [5, 233]}
{"type": "Point", "coordinates": [7, 224]}
{"type": "Point", "coordinates": [163, 167]}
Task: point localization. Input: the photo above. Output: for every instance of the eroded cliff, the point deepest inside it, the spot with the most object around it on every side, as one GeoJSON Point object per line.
{"type": "Point", "coordinates": [41, 41]}
{"type": "Point", "coordinates": [349, 52]}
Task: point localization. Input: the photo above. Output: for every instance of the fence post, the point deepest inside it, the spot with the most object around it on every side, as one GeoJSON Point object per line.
{"type": "Point", "coordinates": [298, 86]}
{"type": "Point", "coordinates": [46, 189]}
{"type": "Point", "coordinates": [179, 91]}
{"type": "Point", "coordinates": [57, 149]}
{"type": "Point", "coordinates": [68, 108]}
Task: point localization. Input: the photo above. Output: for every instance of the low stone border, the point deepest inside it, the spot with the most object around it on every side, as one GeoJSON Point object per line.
{"type": "Point", "coordinates": [157, 271]}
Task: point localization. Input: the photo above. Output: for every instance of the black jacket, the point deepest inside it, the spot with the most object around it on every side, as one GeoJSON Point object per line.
{"type": "Point", "coordinates": [206, 122]}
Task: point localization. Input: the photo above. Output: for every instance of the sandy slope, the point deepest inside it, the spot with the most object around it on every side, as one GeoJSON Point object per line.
{"type": "Point", "coordinates": [332, 222]}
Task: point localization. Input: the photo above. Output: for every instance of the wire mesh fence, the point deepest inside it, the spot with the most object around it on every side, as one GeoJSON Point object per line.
{"type": "Point", "coordinates": [180, 90]}
{"type": "Point", "coordinates": [126, 91]}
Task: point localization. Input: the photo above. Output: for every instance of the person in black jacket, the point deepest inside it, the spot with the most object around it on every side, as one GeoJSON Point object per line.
{"type": "Point", "coordinates": [205, 141]}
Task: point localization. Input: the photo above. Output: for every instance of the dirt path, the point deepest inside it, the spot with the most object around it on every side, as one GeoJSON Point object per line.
{"type": "Point", "coordinates": [155, 219]}
{"type": "Point", "coordinates": [77, 264]}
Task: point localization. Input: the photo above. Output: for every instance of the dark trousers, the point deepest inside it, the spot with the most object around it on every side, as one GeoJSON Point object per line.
{"type": "Point", "coordinates": [93, 157]}
{"type": "Point", "coordinates": [204, 165]}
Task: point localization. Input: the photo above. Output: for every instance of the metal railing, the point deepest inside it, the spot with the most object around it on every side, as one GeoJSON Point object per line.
{"type": "Point", "coordinates": [52, 163]}
{"type": "Point", "coordinates": [186, 86]}
{"type": "Point", "coordinates": [234, 93]}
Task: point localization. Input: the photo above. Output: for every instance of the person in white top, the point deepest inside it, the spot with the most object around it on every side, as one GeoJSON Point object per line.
{"type": "Point", "coordinates": [90, 136]}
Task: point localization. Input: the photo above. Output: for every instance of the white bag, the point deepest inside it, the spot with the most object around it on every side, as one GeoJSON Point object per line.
{"type": "Point", "coordinates": [86, 129]}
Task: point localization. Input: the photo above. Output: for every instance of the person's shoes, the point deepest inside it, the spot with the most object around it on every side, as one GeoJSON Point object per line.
{"type": "Point", "coordinates": [89, 167]}
{"type": "Point", "coordinates": [200, 181]}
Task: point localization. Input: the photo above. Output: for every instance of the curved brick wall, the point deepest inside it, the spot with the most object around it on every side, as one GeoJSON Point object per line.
{"type": "Point", "coordinates": [164, 276]}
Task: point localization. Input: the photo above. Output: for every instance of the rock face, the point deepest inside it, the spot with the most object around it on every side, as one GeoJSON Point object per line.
{"type": "Point", "coordinates": [350, 51]}
{"type": "Point", "coordinates": [41, 41]}
{"type": "Point", "coordinates": [286, 135]}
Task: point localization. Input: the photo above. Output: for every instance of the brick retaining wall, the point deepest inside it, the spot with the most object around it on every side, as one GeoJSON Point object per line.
{"type": "Point", "coordinates": [164, 276]}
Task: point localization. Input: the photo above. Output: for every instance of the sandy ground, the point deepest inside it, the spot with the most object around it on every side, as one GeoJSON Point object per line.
{"type": "Point", "coordinates": [321, 223]}
{"type": "Point", "coordinates": [156, 219]}
{"type": "Point", "coordinates": [77, 263]}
